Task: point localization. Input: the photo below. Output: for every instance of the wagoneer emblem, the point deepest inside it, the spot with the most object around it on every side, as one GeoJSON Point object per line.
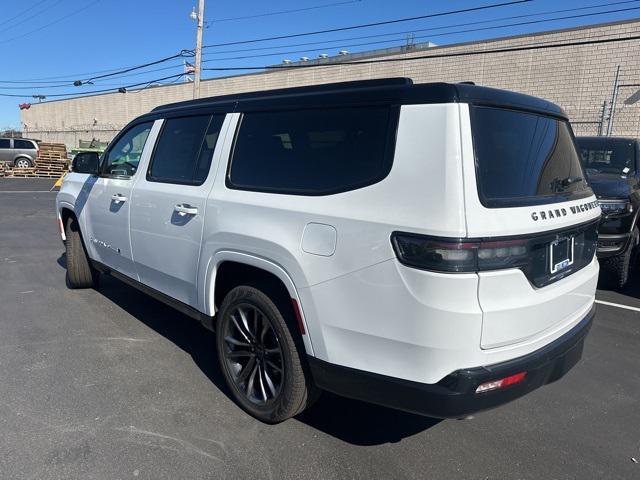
{"type": "Point", "coordinates": [102, 244]}
{"type": "Point", "coordinates": [563, 212]}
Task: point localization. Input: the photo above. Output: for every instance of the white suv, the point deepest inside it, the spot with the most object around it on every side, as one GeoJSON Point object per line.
{"type": "Point", "coordinates": [426, 247]}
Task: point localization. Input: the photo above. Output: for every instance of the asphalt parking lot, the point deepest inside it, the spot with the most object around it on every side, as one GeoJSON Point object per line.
{"type": "Point", "coordinates": [112, 384]}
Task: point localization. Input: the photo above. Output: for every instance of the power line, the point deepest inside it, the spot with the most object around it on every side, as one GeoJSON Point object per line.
{"type": "Point", "coordinates": [119, 74]}
{"type": "Point", "coordinates": [430, 36]}
{"type": "Point", "coordinates": [116, 74]}
{"type": "Point", "coordinates": [117, 71]}
{"type": "Point", "coordinates": [183, 53]}
{"type": "Point", "coordinates": [283, 12]}
{"type": "Point", "coordinates": [23, 12]}
{"type": "Point", "coordinates": [367, 25]}
{"type": "Point", "coordinates": [93, 92]}
{"type": "Point", "coordinates": [86, 7]}
{"type": "Point", "coordinates": [512, 17]}
{"type": "Point", "coordinates": [32, 16]}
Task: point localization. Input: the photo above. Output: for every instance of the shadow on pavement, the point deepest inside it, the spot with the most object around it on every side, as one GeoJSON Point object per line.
{"type": "Point", "coordinates": [361, 423]}
{"type": "Point", "coordinates": [349, 420]}
{"type": "Point", "coordinates": [183, 331]}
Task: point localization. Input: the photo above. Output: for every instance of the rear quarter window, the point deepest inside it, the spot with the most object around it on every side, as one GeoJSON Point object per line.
{"type": "Point", "coordinates": [313, 152]}
{"type": "Point", "coordinates": [524, 158]}
{"type": "Point", "coordinates": [24, 144]}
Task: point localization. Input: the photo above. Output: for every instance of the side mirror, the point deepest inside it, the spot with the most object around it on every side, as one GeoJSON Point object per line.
{"type": "Point", "coordinates": [86, 162]}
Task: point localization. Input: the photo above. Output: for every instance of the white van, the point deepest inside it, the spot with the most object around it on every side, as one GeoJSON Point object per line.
{"type": "Point", "coordinates": [426, 247]}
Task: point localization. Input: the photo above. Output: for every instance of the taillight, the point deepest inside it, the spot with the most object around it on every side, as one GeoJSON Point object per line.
{"type": "Point", "coordinates": [459, 255]}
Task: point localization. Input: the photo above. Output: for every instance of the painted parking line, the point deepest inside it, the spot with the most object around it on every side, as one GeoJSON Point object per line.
{"type": "Point", "coordinates": [27, 191]}
{"type": "Point", "coordinates": [619, 305]}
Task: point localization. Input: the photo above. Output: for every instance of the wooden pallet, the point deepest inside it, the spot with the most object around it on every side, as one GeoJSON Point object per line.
{"type": "Point", "coordinates": [21, 172]}
{"type": "Point", "coordinates": [51, 152]}
{"type": "Point", "coordinates": [41, 170]}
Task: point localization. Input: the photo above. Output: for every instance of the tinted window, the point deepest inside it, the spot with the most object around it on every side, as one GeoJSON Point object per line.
{"type": "Point", "coordinates": [524, 159]}
{"type": "Point", "coordinates": [123, 157]}
{"type": "Point", "coordinates": [311, 151]}
{"type": "Point", "coordinates": [5, 143]}
{"type": "Point", "coordinates": [185, 149]}
{"type": "Point", "coordinates": [607, 155]}
{"type": "Point", "coordinates": [24, 144]}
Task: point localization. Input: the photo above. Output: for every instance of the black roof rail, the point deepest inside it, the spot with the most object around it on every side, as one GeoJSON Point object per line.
{"type": "Point", "coordinates": [308, 89]}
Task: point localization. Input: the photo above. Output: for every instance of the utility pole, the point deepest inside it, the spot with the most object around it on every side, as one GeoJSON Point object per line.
{"type": "Point", "coordinates": [198, 65]}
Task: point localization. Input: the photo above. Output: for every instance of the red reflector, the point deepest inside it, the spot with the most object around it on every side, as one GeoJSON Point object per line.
{"type": "Point", "coordinates": [296, 309]}
{"type": "Point", "coordinates": [502, 383]}
{"type": "Point", "coordinates": [517, 378]}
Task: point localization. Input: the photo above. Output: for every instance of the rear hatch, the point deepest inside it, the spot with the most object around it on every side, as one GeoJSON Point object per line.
{"type": "Point", "coordinates": [527, 198]}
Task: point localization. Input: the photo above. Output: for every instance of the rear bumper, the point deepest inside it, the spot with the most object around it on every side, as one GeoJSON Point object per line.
{"type": "Point", "coordinates": [454, 396]}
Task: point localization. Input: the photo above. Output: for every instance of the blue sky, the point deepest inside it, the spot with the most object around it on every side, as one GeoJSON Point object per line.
{"type": "Point", "coordinates": [71, 39]}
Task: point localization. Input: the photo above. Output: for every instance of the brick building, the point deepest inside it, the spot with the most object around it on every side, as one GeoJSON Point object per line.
{"type": "Point", "coordinates": [579, 78]}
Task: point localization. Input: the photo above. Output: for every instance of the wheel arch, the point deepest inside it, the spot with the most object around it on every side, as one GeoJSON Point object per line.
{"type": "Point", "coordinates": [64, 214]}
{"type": "Point", "coordinates": [242, 266]}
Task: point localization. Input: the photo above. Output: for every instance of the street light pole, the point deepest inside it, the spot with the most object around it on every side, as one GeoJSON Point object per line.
{"type": "Point", "coordinates": [198, 65]}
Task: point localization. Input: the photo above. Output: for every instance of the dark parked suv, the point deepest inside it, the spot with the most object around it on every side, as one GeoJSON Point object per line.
{"type": "Point", "coordinates": [612, 165]}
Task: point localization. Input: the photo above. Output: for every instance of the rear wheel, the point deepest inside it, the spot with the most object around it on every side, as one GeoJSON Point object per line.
{"type": "Point", "coordinates": [621, 266]}
{"type": "Point", "coordinates": [80, 273]}
{"type": "Point", "coordinates": [259, 357]}
{"type": "Point", "coordinates": [23, 162]}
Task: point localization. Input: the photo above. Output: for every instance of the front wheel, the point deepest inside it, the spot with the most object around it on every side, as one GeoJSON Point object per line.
{"type": "Point", "coordinates": [80, 273]}
{"type": "Point", "coordinates": [259, 357]}
{"type": "Point", "coordinates": [23, 163]}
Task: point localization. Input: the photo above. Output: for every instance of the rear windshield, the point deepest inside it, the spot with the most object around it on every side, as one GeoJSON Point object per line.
{"type": "Point", "coordinates": [525, 159]}
{"type": "Point", "coordinates": [607, 155]}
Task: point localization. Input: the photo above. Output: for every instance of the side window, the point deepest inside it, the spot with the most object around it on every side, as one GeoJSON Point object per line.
{"type": "Point", "coordinates": [122, 158]}
{"type": "Point", "coordinates": [5, 143]}
{"type": "Point", "coordinates": [184, 150]}
{"type": "Point", "coordinates": [23, 144]}
{"type": "Point", "coordinates": [312, 152]}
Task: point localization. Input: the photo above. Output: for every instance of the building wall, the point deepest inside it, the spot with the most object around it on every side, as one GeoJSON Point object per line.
{"type": "Point", "coordinates": [578, 78]}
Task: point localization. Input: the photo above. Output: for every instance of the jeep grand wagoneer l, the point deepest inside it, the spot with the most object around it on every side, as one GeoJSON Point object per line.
{"type": "Point", "coordinates": [426, 247]}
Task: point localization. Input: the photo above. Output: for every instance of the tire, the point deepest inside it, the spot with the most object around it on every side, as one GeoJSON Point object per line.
{"type": "Point", "coordinates": [80, 273]}
{"type": "Point", "coordinates": [621, 266]}
{"type": "Point", "coordinates": [254, 341]}
{"type": "Point", "coordinates": [22, 162]}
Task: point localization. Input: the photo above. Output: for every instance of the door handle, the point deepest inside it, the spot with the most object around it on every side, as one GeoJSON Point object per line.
{"type": "Point", "coordinates": [118, 198]}
{"type": "Point", "coordinates": [185, 209]}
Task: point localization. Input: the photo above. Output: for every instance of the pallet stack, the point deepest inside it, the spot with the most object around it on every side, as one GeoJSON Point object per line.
{"type": "Point", "coordinates": [52, 162]}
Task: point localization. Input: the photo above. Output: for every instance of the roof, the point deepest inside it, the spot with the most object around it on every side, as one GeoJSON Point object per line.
{"type": "Point", "coordinates": [382, 91]}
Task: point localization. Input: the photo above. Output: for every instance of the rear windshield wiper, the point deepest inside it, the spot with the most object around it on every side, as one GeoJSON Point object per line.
{"type": "Point", "coordinates": [559, 184]}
